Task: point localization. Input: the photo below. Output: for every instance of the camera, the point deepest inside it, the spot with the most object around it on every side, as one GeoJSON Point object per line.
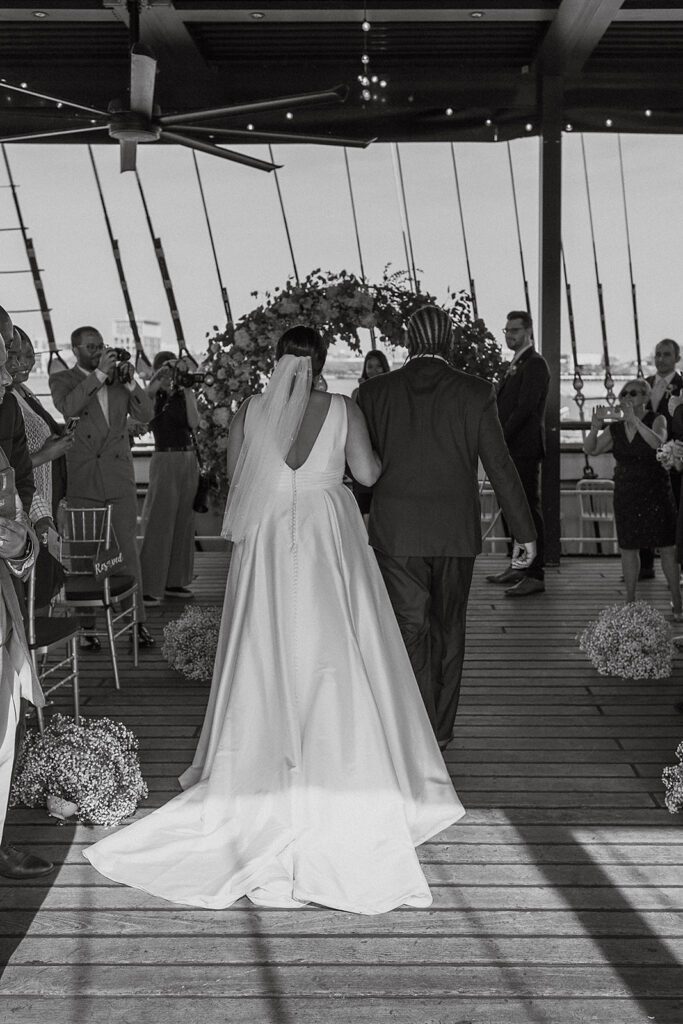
{"type": "Point", "coordinates": [184, 378]}
{"type": "Point", "coordinates": [123, 371]}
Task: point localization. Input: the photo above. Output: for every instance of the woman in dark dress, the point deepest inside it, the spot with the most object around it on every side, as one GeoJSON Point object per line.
{"type": "Point", "coordinates": [644, 506]}
{"type": "Point", "coordinates": [374, 364]}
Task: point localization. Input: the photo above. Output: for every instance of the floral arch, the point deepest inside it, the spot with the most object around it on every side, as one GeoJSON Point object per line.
{"type": "Point", "coordinates": [240, 358]}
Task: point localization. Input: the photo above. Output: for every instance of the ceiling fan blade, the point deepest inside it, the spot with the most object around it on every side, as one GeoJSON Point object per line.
{"type": "Point", "coordinates": [128, 152]}
{"type": "Point", "coordinates": [319, 140]}
{"type": "Point", "coordinates": [49, 135]}
{"type": "Point", "coordinates": [226, 154]}
{"type": "Point", "coordinates": [336, 95]}
{"type": "Point", "coordinates": [143, 72]}
{"type": "Point", "coordinates": [53, 99]}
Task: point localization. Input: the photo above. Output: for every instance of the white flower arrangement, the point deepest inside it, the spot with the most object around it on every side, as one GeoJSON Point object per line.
{"type": "Point", "coordinates": [632, 641]}
{"type": "Point", "coordinates": [672, 777]}
{"type": "Point", "coordinates": [190, 642]}
{"type": "Point", "coordinates": [92, 763]}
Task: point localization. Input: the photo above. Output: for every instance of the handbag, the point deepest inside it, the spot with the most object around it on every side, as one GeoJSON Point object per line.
{"type": "Point", "coordinates": [204, 484]}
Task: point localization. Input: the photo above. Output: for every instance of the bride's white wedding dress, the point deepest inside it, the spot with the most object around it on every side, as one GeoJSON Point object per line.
{"type": "Point", "coordinates": [317, 772]}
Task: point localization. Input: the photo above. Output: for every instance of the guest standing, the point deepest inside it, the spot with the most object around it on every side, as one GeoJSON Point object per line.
{"type": "Point", "coordinates": [374, 365]}
{"type": "Point", "coordinates": [167, 555]}
{"type": "Point", "coordinates": [521, 399]}
{"type": "Point", "coordinates": [100, 463]}
{"type": "Point", "coordinates": [644, 507]}
{"type": "Point", "coordinates": [666, 384]}
{"type": "Point", "coordinates": [46, 440]}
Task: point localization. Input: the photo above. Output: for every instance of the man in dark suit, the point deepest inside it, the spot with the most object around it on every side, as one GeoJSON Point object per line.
{"type": "Point", "coordinates": [430, 424]}
{"type": "Point", "coordinates": [665, 384]}
{"type": "Point", "coordinates": [521, 399]}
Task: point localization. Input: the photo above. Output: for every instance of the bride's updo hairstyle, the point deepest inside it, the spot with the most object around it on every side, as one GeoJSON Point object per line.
{"type": "Point", "coordinates": [303, 341]}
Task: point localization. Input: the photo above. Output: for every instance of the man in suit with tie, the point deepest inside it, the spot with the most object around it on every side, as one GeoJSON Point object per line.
{"type": "Point", "coordinates": [665, 384]}
{"type": "Point", "coordinates": [521, 399]}
{"type": "Point", "coordinates": [100, 463]}
{"type": "Point", "coordinates": [430, 424]}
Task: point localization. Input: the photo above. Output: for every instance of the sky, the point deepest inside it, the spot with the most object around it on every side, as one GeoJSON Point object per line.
{"type": "Point", "coordinates": [63, 215]}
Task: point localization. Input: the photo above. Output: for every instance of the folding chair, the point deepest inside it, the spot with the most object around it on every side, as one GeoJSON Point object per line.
{"type": "Point", "coordinates": [44, 632]}
{"type": "Point", "coordinates": [88, 531]}
{"type": "Point", "coordinates": [596, 506]}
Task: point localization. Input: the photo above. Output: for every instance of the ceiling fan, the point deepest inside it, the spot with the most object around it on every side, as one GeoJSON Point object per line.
{"type": "Point", "coordinates": [141, 121]}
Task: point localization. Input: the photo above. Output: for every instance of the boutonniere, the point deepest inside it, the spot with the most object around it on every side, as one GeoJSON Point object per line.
{"type": "Point", "coordinates": [512, 369]}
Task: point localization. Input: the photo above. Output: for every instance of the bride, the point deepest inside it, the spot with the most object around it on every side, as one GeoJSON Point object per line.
{"type": "Point", "coordinates": [317, 772]}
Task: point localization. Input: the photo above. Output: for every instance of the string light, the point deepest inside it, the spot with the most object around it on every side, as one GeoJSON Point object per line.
{"type": "Point", "coordinates": [449, 111]}
{"type": "Point", "coordinates": [569, 128]}
{"type": "Point", "coordinates": [529, 127]}
{"type": "Point", "coordinates": [648, 113]}
{"type": "Point", "coordinates": [250, 127]}
{"type": "Point", "coordinates": [366, 78]}
{"type": "Point", "coordinates": [488, 122]}
{"type": "Point", "coordinates": [609, 122]}
{"type": "Point", "coordinates": [289, 115]}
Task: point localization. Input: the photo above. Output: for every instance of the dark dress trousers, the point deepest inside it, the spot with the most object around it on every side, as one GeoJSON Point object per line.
{"type": "Point", "coordinates": [13, 443]}
{"type": "Point", "coordinates": [521, 399]}
{"type": "Point", "coordinates": [430, 425]}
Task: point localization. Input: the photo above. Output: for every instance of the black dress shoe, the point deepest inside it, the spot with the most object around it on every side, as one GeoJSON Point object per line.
{"type": "Point", "coordinates": [145, 638]}
{"type": "Point", "coordinates": [444, 743]}
{"type": "Point", "coordinates": [90, 643]}
{"type": "Point", "coordinates": [508, 576]}
{"type": "Point", "coordinates": [15, 864]}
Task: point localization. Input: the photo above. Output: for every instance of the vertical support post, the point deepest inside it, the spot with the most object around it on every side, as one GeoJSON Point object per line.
{"type": "Point", "coordinates": [550, 298]}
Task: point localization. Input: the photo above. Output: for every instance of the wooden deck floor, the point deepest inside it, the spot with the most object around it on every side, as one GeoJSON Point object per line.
{"type": "Point", "coordinates": [557, 899]}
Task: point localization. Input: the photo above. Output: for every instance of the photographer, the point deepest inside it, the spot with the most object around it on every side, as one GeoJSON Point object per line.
{"type": "Point", "coordinates": [167, 555]}
{"type": "Point", "coordinates": [644, 507]}
{"type": "Point", "coordinates": [102, 392]}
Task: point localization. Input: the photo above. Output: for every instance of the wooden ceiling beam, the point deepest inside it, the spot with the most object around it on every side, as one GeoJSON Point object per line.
{"type": "Point", "coordinates": [577, 28]}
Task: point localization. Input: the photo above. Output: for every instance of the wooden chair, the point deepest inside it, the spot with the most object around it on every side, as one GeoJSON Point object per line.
{"type": "Point", "coordinates": [596, 507]}
{"type": "Point", "coordinates": [88, 531]}
{"type": "Point", "coordinates": [45, 632]}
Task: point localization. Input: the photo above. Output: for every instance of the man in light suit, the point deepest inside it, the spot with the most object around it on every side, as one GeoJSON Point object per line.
{"type": "Point", "coordinates": [430, 424]}
{"type": "Point", "coordinates": [100, 463]}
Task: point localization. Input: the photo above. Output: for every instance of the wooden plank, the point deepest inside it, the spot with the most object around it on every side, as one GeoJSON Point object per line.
{"type": "Point", "coordinates": [352, 950]}
{"type": "Point", "coordinates": [510, 1009]}
{"type": "Point", "coordinates": [454, 980]}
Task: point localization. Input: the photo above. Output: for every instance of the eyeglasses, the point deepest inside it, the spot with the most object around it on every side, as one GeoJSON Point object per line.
{"type": "Point", "coordinates": [633, 393]}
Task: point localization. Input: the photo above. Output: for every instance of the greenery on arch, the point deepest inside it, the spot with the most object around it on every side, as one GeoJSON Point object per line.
{"type": "Point", "coordinates": [240, 358]}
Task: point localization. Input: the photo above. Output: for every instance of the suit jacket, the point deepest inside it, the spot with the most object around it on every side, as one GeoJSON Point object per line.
{"type": "Point", "coordinates": [675, 388]}
{"type": "Point", "coordinates": [100, 463]}
{"type": "Point", "coordinates": [521, 399]}
{"type": "Point", "coordinates": [430, 425]}
{"type": "Point", "coordinates": [13, 443]}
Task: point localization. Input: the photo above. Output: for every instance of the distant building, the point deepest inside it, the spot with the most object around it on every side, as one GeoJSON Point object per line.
{"type": "Point", "coordinates": [150, 336]}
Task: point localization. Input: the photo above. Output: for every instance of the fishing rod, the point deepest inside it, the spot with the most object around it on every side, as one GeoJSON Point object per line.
{"type": "Point", "coordinates": [142, 363]}
{"type": "Point", "coordinates": [519, 233]}
{"type": "Point", "coordinates": [473, 290]}
{"type": "Point", "coordinates": [43, 307]}
{"type": "Point", "coordinates": [407, 238]}
{"type": "Point", "coordinates": [165, 279]}
{"type": "Point", "coordinates": [577, 381]}
{"type": "Point", "coordinates": [224, 290]}
{"type": "Point", "coordinates": [355, 227]}
{"type": "Point", "coordinates": [634, 298]}
{"type": "Point", "coordinates": [608, 379]}
{"type": "Point", "coordinates": [284, 215]}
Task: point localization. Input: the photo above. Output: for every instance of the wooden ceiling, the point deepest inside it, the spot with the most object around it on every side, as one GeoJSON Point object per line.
{"type": "Point", "coordinates": [482, 62]}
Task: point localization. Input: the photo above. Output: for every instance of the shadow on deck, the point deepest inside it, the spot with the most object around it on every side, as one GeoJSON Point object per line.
{"type": "Point", "coordinates": [557, 899]}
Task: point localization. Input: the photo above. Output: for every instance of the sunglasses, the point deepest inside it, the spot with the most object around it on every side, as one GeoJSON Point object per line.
{"type": "Point", "coordinates": [633, 393]}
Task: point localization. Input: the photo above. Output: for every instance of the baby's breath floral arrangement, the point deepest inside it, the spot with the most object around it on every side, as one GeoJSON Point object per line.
{"type": "Point", "coordinates": [672, 777]}
{"type": "Point", "coordinates": [632, 641]}
{"type": "Point", "coordinates": [240, 358]}
{"type": "Point", "coordinates": [190, 642]}
{"type": "Point", "coordinates": [93, 763]}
